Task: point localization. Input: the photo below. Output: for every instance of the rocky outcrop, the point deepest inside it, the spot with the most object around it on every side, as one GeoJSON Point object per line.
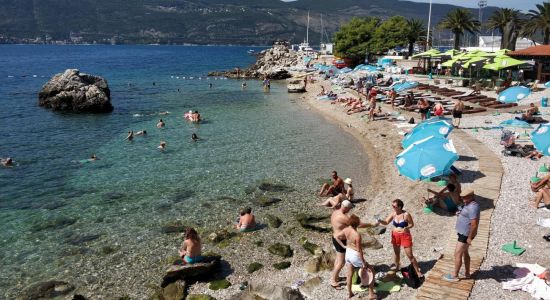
{"type": "Point", "coordinates": [177, 271]}
{"type": "Point", "coordinates": [46, 289]}
{"type": "Point", "coordinates": [76, 92]}
{"type": "Point", "coordinates": [272, 63]}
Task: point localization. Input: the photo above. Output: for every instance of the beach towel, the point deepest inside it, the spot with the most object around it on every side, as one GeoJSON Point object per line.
{"type": "Point", "coordinates": [513, 248]}
{"type": "Point", "coordinates": [390, 286]}
{"type": "Point", "coordinates": [527, 280]}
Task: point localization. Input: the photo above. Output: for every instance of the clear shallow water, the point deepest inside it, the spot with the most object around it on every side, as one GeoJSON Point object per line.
{"type": "Point", "coordinates": [56, 213]}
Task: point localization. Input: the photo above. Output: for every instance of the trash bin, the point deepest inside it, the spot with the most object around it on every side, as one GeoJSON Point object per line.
{"type": "Point", "coordinates": [544, 102]}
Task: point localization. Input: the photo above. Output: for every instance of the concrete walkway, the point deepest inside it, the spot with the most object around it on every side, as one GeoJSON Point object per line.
{"type": "Point", "coordinates": [487, 188]}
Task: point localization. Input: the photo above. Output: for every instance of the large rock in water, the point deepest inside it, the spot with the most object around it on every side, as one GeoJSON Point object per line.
{"type": "Point", "coordinates": [76, 92]}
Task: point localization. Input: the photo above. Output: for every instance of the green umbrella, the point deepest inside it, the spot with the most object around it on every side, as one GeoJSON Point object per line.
{"type": "Point", "coordinates": [429, 53]}
{"type": "Point", "coordinates": [502, 51]}
{"type": "Point", "coordinates": [452, 53]}
{"type": "Point", "coordinates": [478, 53]}
{"type": "Point", "coordinates": [473, 60]}
{"type": "Point", "coordinates": [502, 62]}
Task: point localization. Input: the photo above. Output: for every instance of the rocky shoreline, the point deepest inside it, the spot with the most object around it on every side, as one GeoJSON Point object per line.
{"type": "Point", "coordinates": [273, 63]}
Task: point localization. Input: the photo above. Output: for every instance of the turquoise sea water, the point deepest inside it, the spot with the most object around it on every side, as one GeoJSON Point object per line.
{"type": "Point", "coordinates": [56, 213]}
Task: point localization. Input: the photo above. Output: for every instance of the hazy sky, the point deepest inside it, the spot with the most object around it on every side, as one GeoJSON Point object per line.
{"type": "Point", "coordinates": [517, 4]}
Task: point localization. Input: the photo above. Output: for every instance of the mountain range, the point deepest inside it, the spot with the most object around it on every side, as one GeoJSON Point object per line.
{"type": "Point", "coordinates": [243, 22]}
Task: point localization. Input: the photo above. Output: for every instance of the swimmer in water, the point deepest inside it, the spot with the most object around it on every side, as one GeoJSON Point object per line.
{"type": "Point", "coordinates": [7, 162]}
{"type": "Point", "coordinates": [162, 146]}
{"type": "Point", "coordinates": [160, 124]}
{"type": "Point", "coordinates": [163, 113]}
{"type": "Point", "coordinates": [130, 136]}
{"type": "Point", "coordinates": [94, 157]}
{"type": "Point", "coordinates": [141, 132]}
{"type": "Point", "coordinates": [194, 137]}
{"type": "Point", "coordinates": [243, 86]}
{"type": "Point", "coordinates": [210, 85]}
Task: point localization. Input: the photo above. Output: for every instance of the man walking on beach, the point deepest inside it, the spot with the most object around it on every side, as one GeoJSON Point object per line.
{"type": "Point", "coordinates": [466, 227]}
{"type": "Point", "coordinates": [339, 220]}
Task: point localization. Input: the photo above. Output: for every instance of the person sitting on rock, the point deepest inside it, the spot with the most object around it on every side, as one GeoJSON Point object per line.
{"type": "Point", "coordinates": [190, 251]}
{"type": "Point", "coordinates": [160, 124]}
{"type": "Point", "coordinates": [336, 188]}
{"type": "Point", "coordinates": [7, 162]}
{"type": "Point", "coordinates": [247, 222]}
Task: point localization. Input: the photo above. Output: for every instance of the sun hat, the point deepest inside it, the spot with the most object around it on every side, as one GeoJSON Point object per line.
{"type": "Point", "coordinates": [348, 204]}
{"type": "Point", "coordinates": [467, 192]}
{"type": "Point", "coordinates": [347, 181]}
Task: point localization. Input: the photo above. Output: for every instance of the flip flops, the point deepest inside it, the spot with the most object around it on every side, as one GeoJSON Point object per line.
{"type": "Point", "coordinates": [449, 278]}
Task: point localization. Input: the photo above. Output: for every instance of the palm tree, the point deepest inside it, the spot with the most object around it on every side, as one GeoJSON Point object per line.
{"type": "Point", "coordinates": [509, 23]}
{"type": "Point", "coordinates": [539, 20]}
{"type": "Point", "coordinates": [415, 32]}
{"type": "Point", "coordinates": [458, 21]}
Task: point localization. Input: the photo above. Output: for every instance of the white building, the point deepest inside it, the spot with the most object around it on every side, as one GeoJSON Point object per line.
{"type": "Point", "coordinates": [492, 43]}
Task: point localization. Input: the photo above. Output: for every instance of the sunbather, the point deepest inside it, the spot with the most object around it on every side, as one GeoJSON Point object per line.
{"type": "Point", "coordinates": [530, 113]}
{"type": "Point", "coordinates": [448, 198]}
{"type": "Point", "coordinates": [535, 155]}
{"type": "Point", "coordinates": [542, 190]}
{"type": "Point", "coordinates": [334, 201]}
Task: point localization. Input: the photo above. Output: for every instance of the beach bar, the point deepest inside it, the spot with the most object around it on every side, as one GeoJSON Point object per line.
{"type": "Point", "coordinates": [541, 55]}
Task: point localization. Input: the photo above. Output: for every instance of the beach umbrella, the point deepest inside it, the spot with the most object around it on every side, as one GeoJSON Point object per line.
{"type": "Point", "coordinates": [405, 86]}
{"type": "Point", "coordinates": [513, 94]}
{"type": "Point", "coordinates": [450, 53]}
{"type": "Point", "coordinates": [502, 62]}
{"type": "Point", "coordinates": [547, 84]}
{"type": "Point", "coordinates": [436, 128]}
{"type": "Point", "coordinates": [541, 138]}
{"type": "Point", "coordinates": [515, 123]}
{"type": "Point", "coordinates": [502, 51]}
{"type": "Point", "coordinates": [473, 60]}
{"type": "Point", "coordinates": [427, 158]}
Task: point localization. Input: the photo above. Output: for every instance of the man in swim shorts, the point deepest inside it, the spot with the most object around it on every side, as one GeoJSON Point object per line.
{"type": "Point", "coordinates": [336, 188]}
{"type": "Point", "coordinates": [247, 222]}
{"type": "Point", "coordinates": [339, 220]}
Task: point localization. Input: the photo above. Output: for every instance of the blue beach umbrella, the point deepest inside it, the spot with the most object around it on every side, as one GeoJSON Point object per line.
{"type": "Point", "coordinates": [405, 86]}
{"type": "Point", "coordinates": [515, 123]}
{"type": "Point", "coordinates": [513, 94]}
{"type": "Point", "coordinates": [547, 84]}
{"type": "Point", "coordinates": [436, 128]}
{"type": "Point", "coordinates": [427, 158]}
{"type": "Point", "coordinates": [541, 138]}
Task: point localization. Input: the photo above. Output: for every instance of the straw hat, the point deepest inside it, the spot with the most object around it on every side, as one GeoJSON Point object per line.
{"type": "Point", "coordinates": [347, 181]}
{"type": "Point", "coordinates": [467, 192]}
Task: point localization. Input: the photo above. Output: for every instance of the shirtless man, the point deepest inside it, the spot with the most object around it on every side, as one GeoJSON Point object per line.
{"type": "Point", "coordinates": [190, 251]}
{"type": "Point", "coordinates": [160, 124]}
{"type": "Point", "coordinates": [354, 256]}
{"type": "Point", "coordinates": [339, 220]}
{"type": "Point", "coordinates": [7, 162]}
{"type": "Point", "coordinates": [336, 188]}
{"type": "Point", "coordinates": [247, 221]}
{"type": "Point", "coordinates": [141, 132]}
{"type": "Point", "coordinates": [130, 136]}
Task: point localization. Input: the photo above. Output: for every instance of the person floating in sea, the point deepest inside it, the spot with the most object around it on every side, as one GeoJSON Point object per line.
{"type": "Point", "coordinates": [194, 137]}
{"type": "Point", "coordinates": [210, 85]}
{"type": "Point", "coordinates": [190, 251]}
{"type": "Point", "coordinates": [130, 136]}
{"type": "Point", "coordinates": [162, 146]}
{"type": "Point", "coordinates": [7, 162]}
{"type": "Point", "coordinates": [164, 113]}
{"type": "Point", "coordinates": [243, 85]}
{"type": "Point", "coordinates": [336, 188]}
{"type": "Point", "coordinates": [141, 132]}
{"type": "Point", "coordinates": [247, 221]}
{"type": "Point", "coordinates": [160, 124]}
{"type": "Point", "coordinates": [93, 157]}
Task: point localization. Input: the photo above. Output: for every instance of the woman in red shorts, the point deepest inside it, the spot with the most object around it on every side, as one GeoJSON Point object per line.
{"type": "Point", "coordinates": [401, 235]}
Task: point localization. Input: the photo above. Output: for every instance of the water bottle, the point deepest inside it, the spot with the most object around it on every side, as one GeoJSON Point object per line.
{"type": "Point", "coordinates": [544, 102]}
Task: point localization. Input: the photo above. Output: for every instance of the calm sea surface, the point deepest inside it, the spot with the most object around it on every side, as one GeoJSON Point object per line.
{"type": "Point", "coordinates": [57, 213]}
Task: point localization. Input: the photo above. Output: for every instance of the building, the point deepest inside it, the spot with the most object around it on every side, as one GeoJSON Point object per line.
{"type": "Point", "coordinates": [541, 55]}
{"type": "Point", "coordinates": [490, 43]}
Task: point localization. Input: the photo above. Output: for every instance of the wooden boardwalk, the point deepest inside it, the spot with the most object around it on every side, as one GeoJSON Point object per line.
{"type": "Point", "coordinates": [487, 189]}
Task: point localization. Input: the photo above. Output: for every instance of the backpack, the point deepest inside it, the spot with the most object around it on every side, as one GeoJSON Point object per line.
{"type": "Point", "coordinates": [412, 280]}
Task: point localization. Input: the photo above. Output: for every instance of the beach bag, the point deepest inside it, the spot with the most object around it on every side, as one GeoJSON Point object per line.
{"type": "Point", "coordinates": [411, 120]}
{"type": "Point", "coordinates": [411, 278]}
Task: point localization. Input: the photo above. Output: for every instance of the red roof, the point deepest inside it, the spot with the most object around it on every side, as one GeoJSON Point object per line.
{"type": "Point", "coordinates": [541, 50]}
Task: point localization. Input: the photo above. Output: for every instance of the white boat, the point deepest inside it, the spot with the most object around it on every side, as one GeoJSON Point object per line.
{"type": "Point", "coordinates": [304, 46]}
{"type": "Point", "coordinates": [296, 86]}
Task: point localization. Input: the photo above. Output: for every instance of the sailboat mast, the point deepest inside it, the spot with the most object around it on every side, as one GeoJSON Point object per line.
{"type": "Point", "coordinates": [307, 32]}
{"type": "Point", "coordinates": [321, 29]}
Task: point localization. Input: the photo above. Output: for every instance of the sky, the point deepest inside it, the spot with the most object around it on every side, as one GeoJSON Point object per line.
{"type": "Point", "coordinates": [517, 4]}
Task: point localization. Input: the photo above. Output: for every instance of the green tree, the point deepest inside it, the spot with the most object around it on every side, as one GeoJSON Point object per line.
{"type": "Point", "coordinates": [351, 41]}
{"type": "Point", "coordinates": [539, 20]}
{"type": "Point", "coordinates": [390, 34]}
{"type": "Point", "coordinates": [458, 21]}
{"type": "Point", "coordinates": [416, 32]}
{"type": "Point", "coordinates": [509, 23]}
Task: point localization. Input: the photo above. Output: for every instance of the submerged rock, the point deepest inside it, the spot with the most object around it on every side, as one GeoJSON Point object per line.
{"type": "Point", "coordinates": [174, 227]}
{"type": "Point", "coordinates": [274, 187]}
{"type": "Point", "coordinates": [282, 265]}
{"type": "Point", "coordinates": [78, 240]}
{"type": "Point", "coordinates": [56, 223]}
{"type": "Point", "coordinates": [219, 284]}
{"type": "Point", "coordinates": [279, 249]}
{"type": "Point", "coordinates": [182, 195]}
{"type": "Point", "coordinates": [253, 267]}
{"type": "Point", "coordinates": [273, 221]}
{"type": "Point", "coordinates": [113, 196]}
{"type": "Point", "coordinates": [265, 201]}
{"type": "Point", "coordinates": [46, 289]}
{"type": "Point", "coordinates": [76, 92]}
{"type": "Point", "coordinates": [315, 223]}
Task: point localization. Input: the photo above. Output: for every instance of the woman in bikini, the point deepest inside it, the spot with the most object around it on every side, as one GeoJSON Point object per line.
{"type": "Point", "coordinates": [354, 256]}
{"type": "Point", "coordinates": [190, 251]}
{"type": "Point", "coordinates": [401, 235]}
